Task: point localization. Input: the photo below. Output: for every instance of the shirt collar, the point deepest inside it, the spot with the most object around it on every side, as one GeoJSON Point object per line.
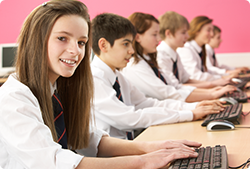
{"type": "Point", "coordinates": [108, 72]}
{"type": "Point", "coordinates": [196, 46]}
{"type": "Point", "coordinates": [169, 50]}
{"type": "Point", "coordinates": [52, 88]}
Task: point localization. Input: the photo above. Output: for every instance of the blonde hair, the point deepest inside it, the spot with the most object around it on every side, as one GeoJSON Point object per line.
{"type": "Point", "coordinates": [76, 92]}
{"type": "Point", "coordinates": [195, 26]}
{"type": "Point", "coordinates": [171, 21]}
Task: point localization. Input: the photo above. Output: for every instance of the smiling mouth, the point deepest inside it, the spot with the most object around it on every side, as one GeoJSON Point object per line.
{"type": "Point", "coordinates": [68, 61]}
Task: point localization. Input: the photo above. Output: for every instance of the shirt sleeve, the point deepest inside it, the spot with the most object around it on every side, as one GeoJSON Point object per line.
{"type": "Point", "coordinates": [136, 111]}
{"type": "Point", "coordinates": [190, 63]}
{"type": "Point", "coordinates": [212, 69]}
{"type": "Point", "coordinates": [95, 138]}
{"type": "Point", "coordinates": [142, 76]}
{"type": "Point", "coordinates": [27, 141]}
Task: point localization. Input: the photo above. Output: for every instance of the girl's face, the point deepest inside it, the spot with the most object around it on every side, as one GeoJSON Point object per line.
{"type": "Point", "coordinates": [215, 40]}
{"type": "Point", "coordinates": [205, 34]}
{"type": "Point", "coordinates": [66, 46]}
{"type": "Point", "coordinates": [150, 39]}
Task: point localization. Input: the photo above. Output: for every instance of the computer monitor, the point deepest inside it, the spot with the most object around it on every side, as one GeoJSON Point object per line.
{"type": "Point", "coordinates": [7, 57]}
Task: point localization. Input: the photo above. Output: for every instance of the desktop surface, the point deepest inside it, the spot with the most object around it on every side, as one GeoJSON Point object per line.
{"type": "Point", "coordinates": [237, 141]}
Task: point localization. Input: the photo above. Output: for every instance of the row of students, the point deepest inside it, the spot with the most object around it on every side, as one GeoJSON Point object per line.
{"type": "Point", "coordinates": [140, 71]}
{"type": "Point", "coordinates": [122, 109]}
{"type": "Point", "coordinates": [46, 105]}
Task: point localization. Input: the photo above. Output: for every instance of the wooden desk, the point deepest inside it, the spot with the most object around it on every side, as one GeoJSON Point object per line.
{"type": "Point", "coordinates": [237, 141]}
{"type": "Point", "coordinates": [2, 80]}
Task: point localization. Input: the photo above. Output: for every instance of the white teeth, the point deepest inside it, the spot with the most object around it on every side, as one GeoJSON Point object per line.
{"type": "Point", "coordinates": [68, 61]}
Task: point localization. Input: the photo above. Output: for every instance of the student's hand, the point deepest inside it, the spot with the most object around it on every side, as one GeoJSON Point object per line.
{"type": "Point", "coordinates": [214, 103]}
{"type": "Point", "coordinates": [163, 157]}
{"type": "Point", "coordinates": [205, 108]}
{"type": "Point", "coordinates": [222, 82]}
{"type": "Point", "coordinates": [219, 91]}
{"type": "Point", "coordinates": [151, 146]}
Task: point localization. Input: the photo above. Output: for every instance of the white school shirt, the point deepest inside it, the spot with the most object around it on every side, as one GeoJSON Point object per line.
{"type": "Point", "coordinates": [136, 111]}
{"type": "Point", "coordinates": [191, 61]}
{"type": "Point", "coordinates": [25, 141]}
{"type": "Point", "coordinates": [143, 77]}
{"type": "Point", "coordinates": [217, 69]}
{"type": "Point", "coordinates": [166, 57]}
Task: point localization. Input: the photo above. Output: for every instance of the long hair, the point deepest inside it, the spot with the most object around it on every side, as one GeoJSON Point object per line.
{"type": "Point", "coordinates": [76, 92]}
{"type": "Point", "coordinates": [195, 26]}
{"type": "Point", "coordinates": [142, 22]}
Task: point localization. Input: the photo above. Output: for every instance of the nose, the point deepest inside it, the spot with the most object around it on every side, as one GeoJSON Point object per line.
{"type": "Point", "coordinates": [73, 48]}
{"type": "Point", "coordinates": [131, 50]}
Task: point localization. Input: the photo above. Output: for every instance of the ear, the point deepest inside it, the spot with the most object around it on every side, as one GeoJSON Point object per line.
{"type": "Point", "coordinates": [137, 38]}
{"type": "Point", "coordinates": [103, 45]}
{"type": "Point", "coordinates": [168, 33]}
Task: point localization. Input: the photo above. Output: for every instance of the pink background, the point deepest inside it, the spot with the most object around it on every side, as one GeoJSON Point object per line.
{"type": "Point", "coordinates": [232, 16]}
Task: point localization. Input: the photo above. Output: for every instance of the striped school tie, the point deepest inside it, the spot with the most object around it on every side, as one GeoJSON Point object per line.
{"type": "Point", "coordinates": [157, 72]}
{"type": "Point", "coordinates": [116, 86]}
{"type": "Point", "coordinates": [59, 120]}
{"type": "Point", "coordinates": [201, 56]}
{"type": "Point", "coordinates": [175, 69]}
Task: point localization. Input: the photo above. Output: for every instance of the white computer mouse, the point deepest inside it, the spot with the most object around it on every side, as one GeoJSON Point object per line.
{"type": "Point", "coordinates": [236, 80]}
{"type": "Point", "coordinates": [220, 125]}
{"type": "Point", "coordinates": [229, 100]}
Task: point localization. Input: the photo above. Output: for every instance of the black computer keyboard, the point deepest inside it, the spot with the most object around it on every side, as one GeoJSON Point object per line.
{"type": "Point", "coordinates": [208, 158]}
{"type": "Point", "coordinates": [240, 96]}
{"type": "Point", "coordinates": [243, 82]}
{"type": "Point", "coordinates": [231, 113]}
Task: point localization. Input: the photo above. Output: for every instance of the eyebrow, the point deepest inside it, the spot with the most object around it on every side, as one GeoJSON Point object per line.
{"type": "Point", "coordinates": [85, 37]}
{"type": "Point", "coordinates": [128, 40]}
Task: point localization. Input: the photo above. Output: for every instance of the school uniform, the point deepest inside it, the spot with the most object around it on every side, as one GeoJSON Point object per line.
{"type": "Point", "coordinates": [166, 57]}
{"type": "Point", "coordinates": [135, 111]}
{"type": "Point", "coordinates": [25, 141]}
{"type": "Point", "coordinates": [144, 78]}
{"type": "Point", "coordinates": [212, 64]}
{"type": "Point", "coordinates": [189, 55]}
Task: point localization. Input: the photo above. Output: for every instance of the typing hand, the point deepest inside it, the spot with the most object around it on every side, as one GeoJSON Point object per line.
{"type": "Point", "coordinates": [217, 92]}
{"type": "Point", "coordinates": [207, 107]}
{"type": "Point", "coordinates": [169, 144]}
{"type": "Point", "coordinates": [163, 157]}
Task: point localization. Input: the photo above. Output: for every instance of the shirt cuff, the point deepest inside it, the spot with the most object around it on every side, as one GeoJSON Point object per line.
{"type": "Point", "coordinates": [67, 159]}
{"type": "Point", "coordinates": [186, 115]}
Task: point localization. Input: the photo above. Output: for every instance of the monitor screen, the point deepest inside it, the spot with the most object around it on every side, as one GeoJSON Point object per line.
{"type": "Point", "coordinates": [7, 57]}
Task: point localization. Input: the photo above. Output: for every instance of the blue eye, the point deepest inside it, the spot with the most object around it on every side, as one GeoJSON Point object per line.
{"type": "Point", "coordinates": [125, 44]}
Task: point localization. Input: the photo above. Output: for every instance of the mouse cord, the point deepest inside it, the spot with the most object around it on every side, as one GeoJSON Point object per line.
{"type": "Point", "coordinates": [242, 165]}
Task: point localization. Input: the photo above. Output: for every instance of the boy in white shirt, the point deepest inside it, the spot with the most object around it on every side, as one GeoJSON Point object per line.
{"type": "Point", "coordinates": [119, 106]}
{"type": "Point", "coordinates": [212, 64]}
{"type": "Point", "coordinates": [173, 31]}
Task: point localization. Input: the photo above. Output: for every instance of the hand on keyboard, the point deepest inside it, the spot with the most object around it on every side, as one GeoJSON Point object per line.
{"type": "Point", "coordinates": [205, 108]}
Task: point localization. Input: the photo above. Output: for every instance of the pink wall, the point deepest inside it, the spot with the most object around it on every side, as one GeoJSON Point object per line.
{"type": "Point", "coordinates": [232, 16]}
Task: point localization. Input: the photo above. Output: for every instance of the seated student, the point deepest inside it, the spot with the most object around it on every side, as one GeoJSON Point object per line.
{"type": "Point", "coordinates": [173, 32]}
{"type": "Point", "coordinates": [212, 64]}
{"type": "Point", "coordinates": [141, 71]}
{"type": "Point", "coordinates": [193, 54]}
{"type": "Point", "coordinates": [119, 106]}
{"type": "Point", "coordinates": [53, 53]}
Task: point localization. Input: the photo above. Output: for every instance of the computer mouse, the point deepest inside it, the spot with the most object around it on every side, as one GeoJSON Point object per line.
{"type": "Point", "coordinates": [236, 80]}
{"type": "Point", "coordinates": [229, 100]}
{"type": "Point", "coordinates": [220, 125]}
